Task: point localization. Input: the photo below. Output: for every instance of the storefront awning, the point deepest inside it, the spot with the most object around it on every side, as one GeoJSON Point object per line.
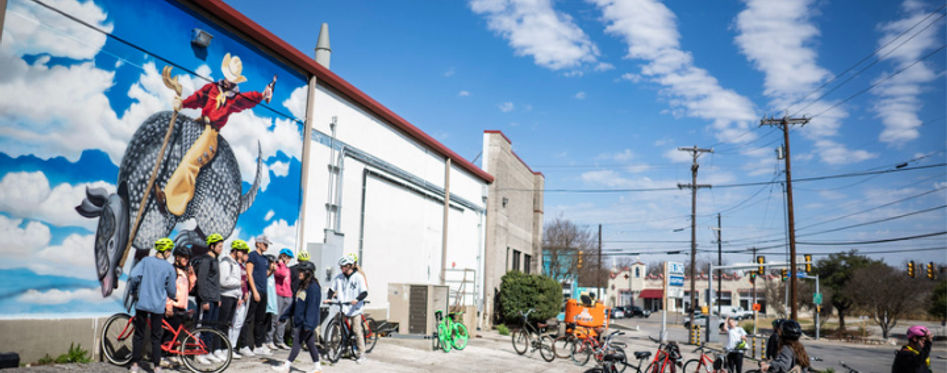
{"type": "Point", "coordinates": [651, 294]}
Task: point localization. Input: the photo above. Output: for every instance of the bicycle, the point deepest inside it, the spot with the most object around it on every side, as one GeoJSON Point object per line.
{"type": "Point", "coordinates": [184, 342]}
{"type": "Point", "coordinates": [610, 362]}
{"type": "Point", "coordinates": [448, 333]}
{"type": "Point", "coordinates": [530, 336]}
{"type": "Point", "coordinates": [668, 356]}
{"type": "Point", "coordinates": [339, 334]}
{"type": "Point", "coordinates": [607, 348]}
{"type": "Point", "coordinates": [705, 363]}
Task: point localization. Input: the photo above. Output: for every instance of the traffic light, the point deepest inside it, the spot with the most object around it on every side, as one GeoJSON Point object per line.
{"type": "Point", "coordinates": [911, 269]}
{"type": "Point", "coordinates": [930, 270]}
{"type": "Point", "coordinates": [579, 263]}
{"type": "Point", "coordinates": [752, 277]}
{"type": "Point", "coordinates": [808, 263]}
{"type": "Point", "coordinates": [784, 274]}
{"type": "Point", "coordinates": [762, 270]}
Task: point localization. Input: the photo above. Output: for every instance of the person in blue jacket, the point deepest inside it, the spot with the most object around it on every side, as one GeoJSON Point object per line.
{"type": "Point", "coordinates": [152, 281]}
{"type": "Point", "coordinates": [305, 313]}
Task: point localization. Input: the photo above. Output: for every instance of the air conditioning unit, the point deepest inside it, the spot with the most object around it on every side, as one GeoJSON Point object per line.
{"type": "Point", "coordinates": [412, 306]}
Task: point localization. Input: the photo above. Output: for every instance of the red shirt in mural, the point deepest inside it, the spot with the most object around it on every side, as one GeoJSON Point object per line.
{"type": "Point", "coordinates": [217, 107]}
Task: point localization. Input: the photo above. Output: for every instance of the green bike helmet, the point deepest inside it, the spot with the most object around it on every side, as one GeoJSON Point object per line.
{"type": "Point", "coordinates": [214, 238]}
{"type": "Point", "coordinates": [163, 244]}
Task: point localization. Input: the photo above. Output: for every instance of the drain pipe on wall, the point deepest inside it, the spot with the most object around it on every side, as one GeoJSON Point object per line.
{"type": "Point", "coordinates": [446, 213]}
{"type": "Point", "coordinates": [304, 182]}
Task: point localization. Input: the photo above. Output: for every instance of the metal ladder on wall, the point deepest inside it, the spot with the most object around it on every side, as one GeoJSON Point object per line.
{"type": "Point", "coordinates": [456, 297]}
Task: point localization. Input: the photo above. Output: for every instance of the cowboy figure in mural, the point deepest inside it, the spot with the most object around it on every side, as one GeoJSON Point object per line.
{"type": "Point", "coordinates": [217, 101]}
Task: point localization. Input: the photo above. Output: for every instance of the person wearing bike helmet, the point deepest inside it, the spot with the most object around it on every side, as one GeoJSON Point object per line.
{"type": "Point", "coordinates": [152, 281]}
{"type": "Point", "coordinates": [791, 352]}
{"type": "Point", "coordinates": [914, 357]}
{"type": "Point", "coordinates": [176, 308]}
{"type": "Point", "coordinates": [207, 269]}
{"type": "Point", "coordinates": [304, 310]}
{"type": "Point", "coordinates": [772, 344]}
{"type": "Point", "coordinates": [231, 295]}
{"type": "Point", "coordinates": [284, 296]}
{"type": "Point", "coordinates": [303, 256]}
{"type": "Point", "coordinates": [272, 304]}
{"type": "Point", "coordinates": [349, 287]}
{"type": "Point", "coordinates": [254, 333]}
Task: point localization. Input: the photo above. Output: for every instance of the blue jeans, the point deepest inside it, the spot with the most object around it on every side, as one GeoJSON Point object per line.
{"type": "Point", "coordinates": [208, 319]}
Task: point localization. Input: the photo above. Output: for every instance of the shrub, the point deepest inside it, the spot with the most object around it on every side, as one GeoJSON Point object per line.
{"type": "Point", "coordinates": [520, 292]}
{"type": "Point", "coordinates": [75, 355]}
{"type": "Point", "coordinates": [503, 330]}
{"type": "Point", "coordinates": [748, 328]}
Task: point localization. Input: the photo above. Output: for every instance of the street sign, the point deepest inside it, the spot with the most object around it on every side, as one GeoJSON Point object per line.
{"type": "Point", "coordinates": [674, 280]}
{"type": "Point", "coordinates": [675, 268]}
{"type": "Point", "coordinates": [817, 298]}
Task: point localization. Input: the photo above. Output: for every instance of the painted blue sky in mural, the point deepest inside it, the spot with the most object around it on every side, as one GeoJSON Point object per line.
{"type": "Point", "coordinates": [71, 102]}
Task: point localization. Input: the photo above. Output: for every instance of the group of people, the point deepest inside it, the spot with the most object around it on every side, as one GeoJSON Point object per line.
{"type": "Point", "coordinates": [249, 296]}
{"type": "Point", "coordinates": [785, 354]}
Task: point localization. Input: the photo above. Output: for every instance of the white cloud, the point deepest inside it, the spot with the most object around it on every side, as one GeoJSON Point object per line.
{"type": "Point", "coordinates": [534, 28]}
{"type": "Point", "coordinates": [649, 29]}
{"type": "Point", "coordinates": [573, 74]}
{"type": "Point", "coordinates": [580, 95]}
{"type": "Point", "coordinates": [22, 241]}
{"type": "Point", "coordinates": [450, 72]}
{"type": "Point", "coordinates": [25, 29]}
{"type": "Point", "coordinates": [463, 93]}
{"type": "Point", "coordinates": [279, 169]}
{"type": "Point", "coordinates": [835, 153]}
{"type": "Point", "coordinates": [678, 156]}
{"type": "Point", "coordinates": [506, 107]}
{"type": "Point", "coordinates": [604, 66]}
{"type": "Point", "coordinates": [269, 215]}
{"type": "Point", "coordinates": [282, 234]}
{"type": "Point", "coordinates": [898, 101]}
{"type": "Point", "coordinates": [631, 77]}
{"type": "Point", "coordinates": [28, 195]}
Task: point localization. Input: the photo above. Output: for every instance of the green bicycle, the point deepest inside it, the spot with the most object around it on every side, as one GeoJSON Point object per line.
{"type": "Point", "coordinates": [449, 333]}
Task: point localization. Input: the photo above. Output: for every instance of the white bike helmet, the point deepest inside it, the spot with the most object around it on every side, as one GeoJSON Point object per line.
{"type": "Point", "coordinates": [345, 260]}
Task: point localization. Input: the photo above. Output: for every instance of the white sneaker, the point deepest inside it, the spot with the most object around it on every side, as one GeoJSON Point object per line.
{"type": "Point", "coordinates": [317, 367]}
{"type": "Point", "coordinates": [221, 354]}
{"type": "Point", "coordinates": [165, 362]}
{"type": "Point", "coordinates": [265, 351]}
{"type": "Point", "coordinates": [283, 367]}
{"type": "Point", "coordinates": [281, 346]}
{"type": "Point", "coordinates": [246, 351]}
{"type": "Point", "coordinates": [234, 355]}
{"type": "Point", "coordinates": [360, 360]}
{"type": "Point", "coordinates": [203, 359]}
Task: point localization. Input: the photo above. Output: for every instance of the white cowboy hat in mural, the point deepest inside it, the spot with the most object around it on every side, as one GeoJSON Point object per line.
{"type": "Point", "coordinates": [232, 67]}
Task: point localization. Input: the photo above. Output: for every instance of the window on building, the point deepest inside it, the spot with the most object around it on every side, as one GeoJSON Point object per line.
{"type": "Point", "coordinates": [637, 272]}
{"type": "Point", "coordinates": [516, 260]}
{"type": "Point", "coordinates": [527, 263]}
{"type": "Point", "coordinates": [725, 298]}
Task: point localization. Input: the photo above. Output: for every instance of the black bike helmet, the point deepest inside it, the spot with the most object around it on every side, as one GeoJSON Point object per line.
{"type": "Point", "coordinates": [183, 250]}
{"type": "Point", "coordinates": [271, 258]}
{"type": "Point", "coordinates": [790, 330]}
{"type": "Point", "coordinates": [777, 323]}
{"type": "Point", "coordinates": [306, 266]}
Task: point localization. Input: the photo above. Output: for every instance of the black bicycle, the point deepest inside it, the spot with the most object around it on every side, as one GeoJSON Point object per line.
{"type": "Point", "coordinates": [532, 336]}
{"type": "Point", "coordinates": [340, 338]}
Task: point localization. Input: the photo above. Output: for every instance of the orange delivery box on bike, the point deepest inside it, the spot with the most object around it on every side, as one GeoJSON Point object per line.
{"type": "Point", "coordinates": [592, 317]}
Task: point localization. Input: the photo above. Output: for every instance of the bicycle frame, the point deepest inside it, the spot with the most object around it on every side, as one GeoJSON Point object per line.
{"type": "Point", "coordinates": [170, 345]}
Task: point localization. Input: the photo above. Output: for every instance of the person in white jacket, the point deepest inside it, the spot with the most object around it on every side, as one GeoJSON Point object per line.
{"type": "Point", "coordinates": [349, 286]}
{"type": "Point", "coordinates": [231, 294]}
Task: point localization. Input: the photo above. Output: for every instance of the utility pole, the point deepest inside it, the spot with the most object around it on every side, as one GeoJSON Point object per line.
{"type": "Point", "coordinates": [598, 274]}
{"type": "Point", "coordinates": [719, 263]}
{"type": "Point", "coordinates": [784, 124]}
{"type": "Point", "coordinates": [755, 312]}
{"type": "Point", "coordinates": [693, 186]}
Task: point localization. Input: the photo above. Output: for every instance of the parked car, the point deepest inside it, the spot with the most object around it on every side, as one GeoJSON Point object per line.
{"type": "Point", "coordinates": [737, 313]}
{"type": "Point", "coordinates": [619, 313]}
{"type": "Point", "coordinates": [635, 311]}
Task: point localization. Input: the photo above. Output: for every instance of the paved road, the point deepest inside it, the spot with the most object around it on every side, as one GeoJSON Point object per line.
{"type": "Point", "coordinates": [865, 358]}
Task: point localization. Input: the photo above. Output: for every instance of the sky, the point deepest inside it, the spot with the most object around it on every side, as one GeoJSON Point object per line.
{"type": "Point", "coordinates": [599, 94]}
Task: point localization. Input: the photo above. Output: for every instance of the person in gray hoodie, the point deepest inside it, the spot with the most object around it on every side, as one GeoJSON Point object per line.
{"type": "Point", "coordinates": [152, 281]}
{"type": "Point", "coordinates": [230, 286]}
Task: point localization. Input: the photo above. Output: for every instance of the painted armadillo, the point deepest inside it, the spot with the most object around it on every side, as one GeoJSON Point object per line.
{"type": "Point", "coordinates": [216, 205]}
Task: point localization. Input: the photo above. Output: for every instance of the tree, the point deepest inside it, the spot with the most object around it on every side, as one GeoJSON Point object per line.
{"type": "Point", "coordinates": [937, 306]}
{"type": "Point", "coordinates": [562, 240]}
{"type": "Point", "coordinates": [882, 292]}
{"type": "Point", "coordinates": [655, 268]}
{"type": "Point", "coordinates": [806, 291]}
{"type": "Point", "coordinates": [775, 294]}
{"type": "Point", "coordinates": [836, 272]}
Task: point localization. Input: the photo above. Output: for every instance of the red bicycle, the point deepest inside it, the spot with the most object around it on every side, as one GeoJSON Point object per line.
{"type": "Point", "coordinates": [666, 359]}
{"type": "Point", "coordinates": [705, 363]}
{"type": "Point", "coordinates": [186, 343]}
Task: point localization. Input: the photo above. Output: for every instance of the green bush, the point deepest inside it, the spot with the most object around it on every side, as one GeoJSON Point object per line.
{"type": "Point", "coordinates": [75, 355]}
{"type": "Point", "coordinates": [503, 330]}
{"type": "Point", "coordinates": [748, 328]}
{"type": "Point", "coordinates": [520, 292]}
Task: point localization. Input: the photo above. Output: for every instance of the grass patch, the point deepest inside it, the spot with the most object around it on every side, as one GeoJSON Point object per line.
{"type": "Point", "coordinates": [503, 330]}
{"type": "Point", "coordinates": [75, 355]}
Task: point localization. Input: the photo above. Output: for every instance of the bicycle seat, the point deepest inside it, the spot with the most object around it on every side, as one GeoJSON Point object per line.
{"type": "Point", "coordinates": [642, 354]}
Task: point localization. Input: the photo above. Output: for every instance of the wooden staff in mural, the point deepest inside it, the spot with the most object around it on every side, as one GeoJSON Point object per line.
{"type": "Point", "coordinates": [188, 159]}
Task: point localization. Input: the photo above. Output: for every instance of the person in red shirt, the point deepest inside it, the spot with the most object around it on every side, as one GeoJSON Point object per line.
{"type": "Point", "coordinates": [217, 101]}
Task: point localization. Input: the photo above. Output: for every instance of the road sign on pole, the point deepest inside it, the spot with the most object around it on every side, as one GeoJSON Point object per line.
{"type": "Point", "coordinates": [817, 299]}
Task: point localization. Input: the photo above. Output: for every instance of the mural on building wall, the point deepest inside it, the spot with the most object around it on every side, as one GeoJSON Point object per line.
{"type": "Point", "coordinates": [116, 130]}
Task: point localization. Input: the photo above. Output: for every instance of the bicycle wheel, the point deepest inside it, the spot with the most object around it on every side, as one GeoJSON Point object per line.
{"type": "Point", "coordinates": [545, 348]}
{"type": "Point", "coordinates": [459, 337]}
{"type": "Point", "coordinates": [370, 334]}
{"type": "Point", "coordinates": [582, 353]}
{"type": "Point", "coordinates": [117, 339]}
{"type": "Point", "coordinates": [334, 340]}
{"type": "Point", "coordinates": [622, 362]}
{"type": "Point", "coordinates": [563, 347]}
{"type": "Point", "coordinates": [695, 365]}
{"type": "Point", "coordinates": [520, 341]}
{"type": "Point", "coordinates": [200, 341]}
{"type": "Point", "coordinates": [443, 332]}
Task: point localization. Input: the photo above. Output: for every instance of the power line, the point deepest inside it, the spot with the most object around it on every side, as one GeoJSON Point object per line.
{"type": "Point", "coordinates": [872, 242]}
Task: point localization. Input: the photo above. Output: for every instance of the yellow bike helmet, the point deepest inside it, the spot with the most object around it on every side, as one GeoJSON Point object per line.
{"type": "Point", "coordinates": [214, 238]}
{"type": "Point", "coordinates": [303, 256]}
{"type": "Point", "coordinates": [163, 244]}
{"type": "Point", "coordinates": [240, 245]}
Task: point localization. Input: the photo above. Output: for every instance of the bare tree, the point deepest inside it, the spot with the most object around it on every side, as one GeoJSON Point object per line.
{"type": "Point", "coordinates": [656, 268]}
{"type": "Point", "coordinates": [774, 293]}
{"type": "Point", "coordinates": [562, 241]}
{"type": "Point", "coordinates": [883, 293]}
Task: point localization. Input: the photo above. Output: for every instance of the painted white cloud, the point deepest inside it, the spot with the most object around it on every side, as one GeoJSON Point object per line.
{"type": "Point", "coordinates": [898, 101]}
{"type": "Point", "coordinates": [74, 256]}
{"type": "Point", "coordinates": [25, 29]}
{"type": "Point", "coordinates": [534, 28]}
{"type": "Point", "coordinates": [279, 168]}
{"type": "Point", "coordinates": [23, 239]}
{"type": "Point", "coordinates": [57, 296]}
{"type": "Point", "coordinates": [296, 103]}
{"type": "Point", "coordinates": [29, 195]}
{"type": "Point", "coordinates": [649, 29]}
{"type": "Point", "coordinates": [269, 215]}
{"type": "Point", "coordinates": [282, 234]}
{"type": "Point", "coordinates": [506, 107]}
